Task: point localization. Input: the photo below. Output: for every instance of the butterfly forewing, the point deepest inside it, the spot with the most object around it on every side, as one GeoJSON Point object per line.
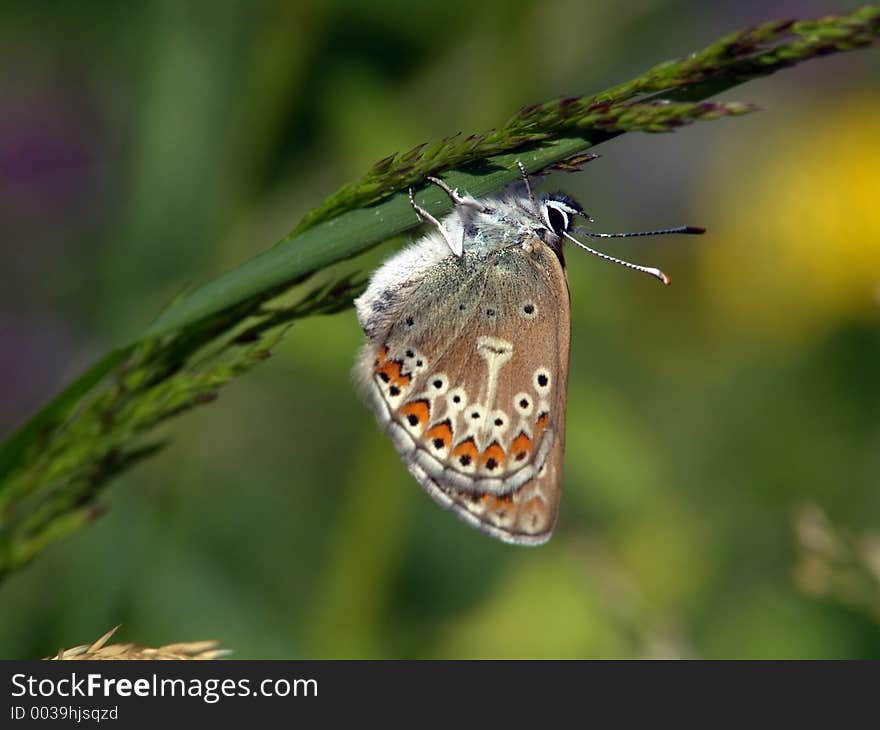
{"type": "Point", "coordinates": [468, 375]}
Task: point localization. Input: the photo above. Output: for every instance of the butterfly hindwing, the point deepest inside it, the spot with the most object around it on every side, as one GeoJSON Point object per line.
{"type": "Point", "coordinates": [466, 370]}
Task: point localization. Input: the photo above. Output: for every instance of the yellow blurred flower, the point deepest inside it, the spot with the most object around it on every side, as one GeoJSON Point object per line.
{"type": "Point", "coordinates": [798, 249]}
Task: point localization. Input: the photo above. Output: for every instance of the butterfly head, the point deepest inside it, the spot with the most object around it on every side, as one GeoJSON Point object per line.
{"type": "Point", "coordinates": [558, 211]}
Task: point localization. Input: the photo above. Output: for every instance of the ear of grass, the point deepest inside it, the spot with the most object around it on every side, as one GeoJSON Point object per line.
{"type": "Point", "coordinates": [52, 468]}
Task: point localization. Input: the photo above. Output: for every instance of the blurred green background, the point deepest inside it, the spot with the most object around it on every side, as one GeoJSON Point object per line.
{"type": "Point", "coordinates": [146, 147]}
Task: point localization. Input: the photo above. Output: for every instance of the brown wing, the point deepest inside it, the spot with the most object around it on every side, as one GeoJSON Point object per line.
{"type": "Point", "coordinates": [469, 380]}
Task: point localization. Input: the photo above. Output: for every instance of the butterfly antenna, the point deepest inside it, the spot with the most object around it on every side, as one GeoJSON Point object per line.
{"type": "Point", "coordinates": [656, 273]}
{"type": "Point", "coordinates": [525, 177]}
{"type": "Point", "coordinates": [650, 271]}
{"type": "Point", "coordinates": [693, 230]}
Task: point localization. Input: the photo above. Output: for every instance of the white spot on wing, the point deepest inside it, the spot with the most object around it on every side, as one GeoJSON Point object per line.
{"type": "Point", "coordinates": [438, 384]}
{"type": "Point", "coordinates": [542, 381]}
{"type": "Point", "coordinates": [414, 362]}
{"type": "Point", "coordinates": [523, 398]}
{"type": "Point", "coordinates": [499, 422]}
{"type": "Point", "coordinates": [454, 406]}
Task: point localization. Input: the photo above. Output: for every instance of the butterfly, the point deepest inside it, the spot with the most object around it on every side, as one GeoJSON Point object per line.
{"type": "Point", "coordinates": [466, 361]}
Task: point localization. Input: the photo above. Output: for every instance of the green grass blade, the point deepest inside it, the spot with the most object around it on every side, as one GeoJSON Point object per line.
{"type": "Point", "coordinates": [56, 410]}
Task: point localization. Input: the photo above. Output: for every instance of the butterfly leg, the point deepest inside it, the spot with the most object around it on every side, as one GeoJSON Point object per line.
{"type": "Point", "coordinates": [425, 215]}
{"type": "Point", "coordinates": [457, 198]}
{"type": "Point", "coordinates": [455, 243]}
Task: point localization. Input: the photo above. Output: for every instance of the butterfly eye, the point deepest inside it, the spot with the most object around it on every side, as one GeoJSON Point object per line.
{"type": "Point", "coordinates": [556, 218]}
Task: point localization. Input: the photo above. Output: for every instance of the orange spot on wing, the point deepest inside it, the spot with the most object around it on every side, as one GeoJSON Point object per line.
{"type": "Point", "coordinates": [521, 447]}
{"type": "Point", "coordinates": [416, 412]}
{"type": "Point", "coordinates": [466, 452]}
{"type": "Point", "coordinates": [493, 457]}
{"type": "Point", "coordinates": [440, 434]}
{"type": "Point", "coordinates": [496, 504]}
{"type": "Point", "coordinates": [541, 424]}
{"type": "Point", "coordinates": [389, 372]}
{"type": "Point", "coordinates": [495, 500]}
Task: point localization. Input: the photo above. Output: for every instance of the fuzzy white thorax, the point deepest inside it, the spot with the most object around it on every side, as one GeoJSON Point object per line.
{"type": "Point", "coordinates": [509, 219]}
{"type": "Point", "coordinates": [406, 266]}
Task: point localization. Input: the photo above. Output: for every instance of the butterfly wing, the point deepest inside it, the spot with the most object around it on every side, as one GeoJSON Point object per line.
{"type": "Point", "coordinates": [466, 370]}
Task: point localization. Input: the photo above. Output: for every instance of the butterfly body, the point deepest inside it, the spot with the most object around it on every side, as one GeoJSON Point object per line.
{"type": "Point", "coordinates": [467, 361]}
